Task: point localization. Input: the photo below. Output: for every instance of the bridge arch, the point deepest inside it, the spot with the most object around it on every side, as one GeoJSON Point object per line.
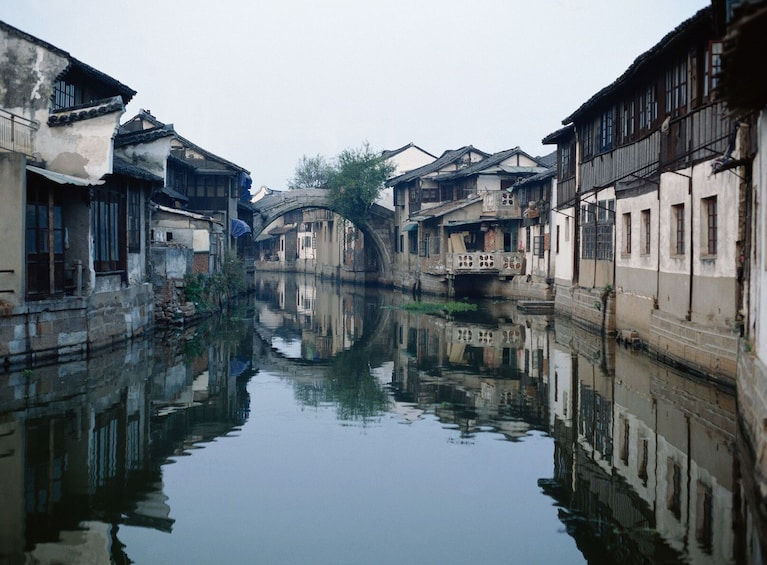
{"type": "Point", "coordinates": [377, 229]}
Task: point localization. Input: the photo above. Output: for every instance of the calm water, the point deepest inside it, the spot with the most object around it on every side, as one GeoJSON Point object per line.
{"type": "Point", "coordinates": [327, 425]}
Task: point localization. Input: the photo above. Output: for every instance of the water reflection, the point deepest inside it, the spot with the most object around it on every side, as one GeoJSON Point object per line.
{"type": "Point", "coordinates": [641, 464]}
{"type": "Point", "coordinates": [643, 461]}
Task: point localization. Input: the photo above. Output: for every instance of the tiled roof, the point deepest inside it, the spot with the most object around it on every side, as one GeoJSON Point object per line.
{"type": "Point", "coordinates": [86, 111]}
{"type": "Point", "coordinates": [388, 154]}
{"type": "Point", "coordinates": [555, 136]}
{"type": "Point", "coordinates": [445, 159]}
{"type": "Point", "coordinates": [122, 167]}
{"type": "Point", "coordinates": [645, 60]}
{"type": "Point", "coordinates": [174, 194]}
{"type": "Point", "coordinates": [446, 208]}
{"type": "Point", "coordinates": [549, 173]}
{"type": "Point", "coordinates": [143, 136]}
{"type": "Point", "coordinates": [549, 160]}
{"type": "Point", "coordinates": [486, 163]}
{"type": "Point", "coordinates": [185, 142]}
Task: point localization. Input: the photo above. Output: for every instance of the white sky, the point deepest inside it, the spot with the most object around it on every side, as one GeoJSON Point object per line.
{"type": "Point", "coordinates": [261, 83]}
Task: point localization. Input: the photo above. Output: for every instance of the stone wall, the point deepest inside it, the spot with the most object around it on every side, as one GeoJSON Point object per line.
{"type": "Point", "coordinates": [56, 330]}
{"type": "Point", "coordinates": [710, 350]}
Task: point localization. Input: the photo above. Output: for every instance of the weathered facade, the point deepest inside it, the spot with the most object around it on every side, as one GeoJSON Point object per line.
{"type": "Point", "coordinates": [656, 228]}
{"type": "Point", "coordinates": [74, 268]}
{"type": "Point", "coordinates": [195, 181]}
{"type": "Point", "coordinates": [458, 222]}
{"type": "Point", "coordinates": [743, 56]}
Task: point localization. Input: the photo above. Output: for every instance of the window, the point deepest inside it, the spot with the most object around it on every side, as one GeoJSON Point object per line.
{"type": "Point", "coordinates": [108, 221]}
{"type": "Point", "coordinates": [710, 224]}
{"type": "Point", "coordinates": [606, 130]}
{"type": "Point", "coordinates": [713, 67]}
{"type": "Point", "coordinates": [676, 87]}
{"type": "Point", "coordinates": [628, 118]}
{"type": "Point", "coordinates": [627, 233]}
{"type": "Point", "coordinates": [645, 233]}
{"type": "Point", "coordinates": [430, 195]}
{"type": "Point", "coordinates": [677, 229]}
{"type": "Point", "coordinates": [433, 246]}
{"type": "Point", "coordinates": [527, 239]}
{"type": "Point", "coordinates": [598, 232]}
{"type": "Point", "coordinates": [704, 521]}
{"type": "Point", "coordinates": [538, 246]}
{"type": "Point", "coordinates": [644, 456]}
{"type": "Point", "coordinates": [588, 139]}
{"type": "Point", "coordinates": [63, 95]}
{"type": "Point", "coordinates": [134, 221]}
{"type": "Point", "coordinates": [605, 242]}
{"type": "Point", "coordinates": [44, 226]}
{"type": "Point", "coordinates": [412, 237]}
{"type": "Point", "coordinates": [557, 241]}
{"type": "Point", "coordinates": [567, 160]}
{"type": "Point", "coordinates": [625, 441]}
{"type": "Point", "coordinates": [648, 108]}
{"type": "Point", "coordinates": [567, 229]}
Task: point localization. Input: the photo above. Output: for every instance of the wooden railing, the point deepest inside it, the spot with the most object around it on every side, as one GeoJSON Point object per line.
{"type": "Point", "coordinates": [16, 132]}
{"type": "Point", "coordinates": [486, 262]}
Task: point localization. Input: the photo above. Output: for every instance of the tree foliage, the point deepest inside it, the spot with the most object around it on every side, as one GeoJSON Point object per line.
{"type": "Point", "coordinates": [311, 172]}
{"type": "Point", "coordinates": [356, 181]}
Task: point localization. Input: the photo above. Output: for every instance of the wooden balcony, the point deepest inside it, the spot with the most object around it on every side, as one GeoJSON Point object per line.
{"type": "Point", "coordinates": [501, 263]}
{"type": "Point", "coordinates": [16, 133]}
{"type": "Point", "coordinates": [500, 204]}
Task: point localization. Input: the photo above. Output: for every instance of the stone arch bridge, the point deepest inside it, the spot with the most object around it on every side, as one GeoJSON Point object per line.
{"type": "Point", "coordinates": [378, 228]}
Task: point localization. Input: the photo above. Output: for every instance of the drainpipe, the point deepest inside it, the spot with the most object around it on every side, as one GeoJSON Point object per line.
{"type": "Point", "coordinates": [657, 245]}
{"type": "Point", "coordinates": [692, 247]}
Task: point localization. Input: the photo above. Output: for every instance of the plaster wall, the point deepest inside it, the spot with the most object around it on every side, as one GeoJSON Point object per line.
{"type": "Point", "coordinates": [82, 149]}
{"type": "Point", "coordinates": [12, 227]}
{"type": "Point", "coordinates": [563, 261]}
{"type": "Point", "coordinates": [27, 72]}
{"type": "Point", "coordinates": [410, 159]}
{"type": "Point", "coordinates": [487, 183]}
{"type": "Point", "coordinates": [200, 241]}
{"type": "Point", "coordinates": [151, 156]}
{"type": "Point", "coordinates": [707, 273]}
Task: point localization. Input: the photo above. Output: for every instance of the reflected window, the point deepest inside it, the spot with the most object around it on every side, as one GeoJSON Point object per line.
{"type": "Point", "coordinates": [643, 453]}
{"type": "Point", "coordinates": [704, 517]}
{"type": "Point", "coordinates": [674, 494]}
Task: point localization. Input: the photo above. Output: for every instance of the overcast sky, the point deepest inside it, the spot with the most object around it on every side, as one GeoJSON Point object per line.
{"type": "Point", "coordinates": [261, 83]}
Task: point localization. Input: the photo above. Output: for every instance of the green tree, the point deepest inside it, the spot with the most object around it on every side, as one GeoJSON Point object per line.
{"type": "Point", "coordinates": [356, 180]}
{"type": "Point", "coordinates": [311, 172]}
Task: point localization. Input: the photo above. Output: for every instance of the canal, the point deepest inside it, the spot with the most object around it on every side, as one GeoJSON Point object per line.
{"type": "Point", "coordinates": [325, 424]}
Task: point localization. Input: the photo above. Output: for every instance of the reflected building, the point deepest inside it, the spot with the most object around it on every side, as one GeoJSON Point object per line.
{"type": "Point", "coordinates": [473, 373]}
{"type": "Point", "coordinates": [643, 460]}
{"type": "Point", "coordinates": [306, 318]}
{"type": "Point", "coordinates": [72, 435]}
{"type": "Point", "coordinates": [82, 444]}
